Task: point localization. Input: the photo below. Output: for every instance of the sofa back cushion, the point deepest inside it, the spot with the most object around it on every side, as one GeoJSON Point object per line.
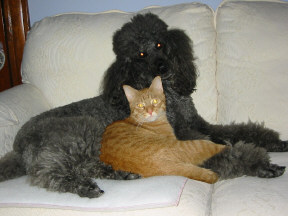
{"type": "Point", "coordinates": [66, 55]}
{"type": "Point", "coordinates": [252, 63]}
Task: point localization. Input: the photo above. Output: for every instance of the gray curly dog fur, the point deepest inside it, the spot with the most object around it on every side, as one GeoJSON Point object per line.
{"type": "Point", "coordinates": [59, 149]}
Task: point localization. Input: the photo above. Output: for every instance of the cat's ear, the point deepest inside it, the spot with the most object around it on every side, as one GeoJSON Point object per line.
{"type": "Point", "coordinates": [129, 92]}
{"type": "Point", "coordinates": [157, 84]}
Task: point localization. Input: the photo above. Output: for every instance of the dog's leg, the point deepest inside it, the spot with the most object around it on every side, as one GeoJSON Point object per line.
{"type": "Point", "coordinates": [70, 176]}
{"type": "Point", "coordinates": [249, 133]}
{"type": "Point", "coordinates": [188, 125]}
{"type": "Point", "coordinates": [98, 169]}
{"type": "Point", "coordinates": [60, 172]}
{"type": "Point", "coordinates": [243, 159]}
{"type": "Point", "coordinates": [69, 170]}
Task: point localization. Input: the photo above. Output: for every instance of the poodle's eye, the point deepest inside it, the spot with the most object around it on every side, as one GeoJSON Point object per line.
{"type": "Point", "coordinates": [158, 45]}
{"type": "Point", "coordinates": [142, 54]}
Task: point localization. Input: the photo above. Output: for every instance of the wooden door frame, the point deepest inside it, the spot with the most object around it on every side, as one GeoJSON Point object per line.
{"type": "Point", "coordinates": [16, 24]}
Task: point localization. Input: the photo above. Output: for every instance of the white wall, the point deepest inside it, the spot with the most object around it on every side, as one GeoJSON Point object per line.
{"type": "Point", "coordinates": [41, 8]}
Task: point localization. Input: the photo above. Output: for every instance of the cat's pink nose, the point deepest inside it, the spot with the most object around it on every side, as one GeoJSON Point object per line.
{"type": "Point", "coordinates": [150, 111]}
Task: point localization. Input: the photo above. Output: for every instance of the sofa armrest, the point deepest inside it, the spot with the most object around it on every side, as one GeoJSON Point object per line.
{"type": "Point", "coordinates": [17, 105]}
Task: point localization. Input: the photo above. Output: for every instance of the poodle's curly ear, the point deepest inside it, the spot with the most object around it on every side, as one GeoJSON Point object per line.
{"type": "Point", "coordinates": [179, 48]}
{"type": "Point", "coordinates": [119, 42]}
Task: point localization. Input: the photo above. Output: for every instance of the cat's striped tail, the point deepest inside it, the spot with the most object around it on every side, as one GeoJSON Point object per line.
{"type": "Point", "coordinates": [11, 166]}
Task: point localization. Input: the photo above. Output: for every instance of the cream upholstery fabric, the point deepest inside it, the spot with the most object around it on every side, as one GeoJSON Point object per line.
{"type": "Point", "coordinates": [252, 62]}
{"type": "Point", "coordinates": [194, 201]}
{"type": "Point", "coordinates": [119, 195]}
{"type": "Point", "coordinates": [17, 105]}
{"type": "Point", "coordinates": [250, 196]}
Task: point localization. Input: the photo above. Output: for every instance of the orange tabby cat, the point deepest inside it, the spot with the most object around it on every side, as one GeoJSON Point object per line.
{"type": "Point", "coordinates": [145, 143]}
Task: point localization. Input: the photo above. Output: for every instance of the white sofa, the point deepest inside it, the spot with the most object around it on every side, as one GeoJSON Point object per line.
{"type": "Point", "coordinates": [242, 60]}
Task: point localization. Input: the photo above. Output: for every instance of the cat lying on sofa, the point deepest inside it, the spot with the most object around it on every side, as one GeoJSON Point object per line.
{"type": "Point", "coordinates": [145, 143]}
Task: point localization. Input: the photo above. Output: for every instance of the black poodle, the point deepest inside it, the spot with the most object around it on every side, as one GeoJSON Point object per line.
{"type": "Point", "coordinates": [59, 149]}
{"type": "Point", "coordinates": [145, 48]}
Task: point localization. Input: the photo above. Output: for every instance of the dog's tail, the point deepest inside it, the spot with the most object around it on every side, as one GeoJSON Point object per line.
{"type": "Point", "coordinates": [11, 166]}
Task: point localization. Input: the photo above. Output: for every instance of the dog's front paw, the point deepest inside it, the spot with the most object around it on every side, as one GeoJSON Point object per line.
{"type": "Point", "coordinates": [271, 171]}
{"type": "Point", "coordinates": [281, 146]}
{"type": "Point", "coordinates": [89, 189]}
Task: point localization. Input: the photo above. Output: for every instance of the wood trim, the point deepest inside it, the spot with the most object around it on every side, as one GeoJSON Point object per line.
{"type": "Point", "coordinates": [16, 25]}
{"type": "Point", "coordinates": [5, 76]}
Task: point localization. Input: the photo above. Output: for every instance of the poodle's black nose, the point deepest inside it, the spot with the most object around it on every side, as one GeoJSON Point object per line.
{"type": "Point", "coordinates": [161, 66]}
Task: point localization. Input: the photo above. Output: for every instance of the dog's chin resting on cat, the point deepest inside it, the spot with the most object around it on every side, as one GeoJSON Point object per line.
{"type": "Point", "coordinates": [59, 151]}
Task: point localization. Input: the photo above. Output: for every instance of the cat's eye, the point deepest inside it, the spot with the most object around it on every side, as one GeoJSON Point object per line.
{"type": "Point", "coordinates": [140, 105]}
{"type": "Point", "coordinates": [158, 45]}
{"type": "Point", "coordinates": [154, 101]}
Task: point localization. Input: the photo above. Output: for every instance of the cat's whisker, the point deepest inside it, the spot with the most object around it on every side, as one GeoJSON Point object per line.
{"type": "Point", "coordinates": [161, 114]}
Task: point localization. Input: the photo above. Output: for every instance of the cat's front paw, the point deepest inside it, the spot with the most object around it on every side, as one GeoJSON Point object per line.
{"type": "Point", "coordinates": [209, 177]}
{"type": "Point", "coordinates": [271, 171]}
{"type": "Point", "coordinates": [213, 178]}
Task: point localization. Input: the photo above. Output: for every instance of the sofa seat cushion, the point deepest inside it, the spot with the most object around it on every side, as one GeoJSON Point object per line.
{"type": "Point", "coordinates": [252, 62]}
{"type": "Point", "coordinates": [253, 196]}
{"type": "Point", "coordinates": [66, 55]}
{"type": "Point", "coordinates": [166, 194]}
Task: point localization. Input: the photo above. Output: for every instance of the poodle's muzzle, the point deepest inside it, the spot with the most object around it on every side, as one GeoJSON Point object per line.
{"type": "Point", "coordinates": [159, 65]}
